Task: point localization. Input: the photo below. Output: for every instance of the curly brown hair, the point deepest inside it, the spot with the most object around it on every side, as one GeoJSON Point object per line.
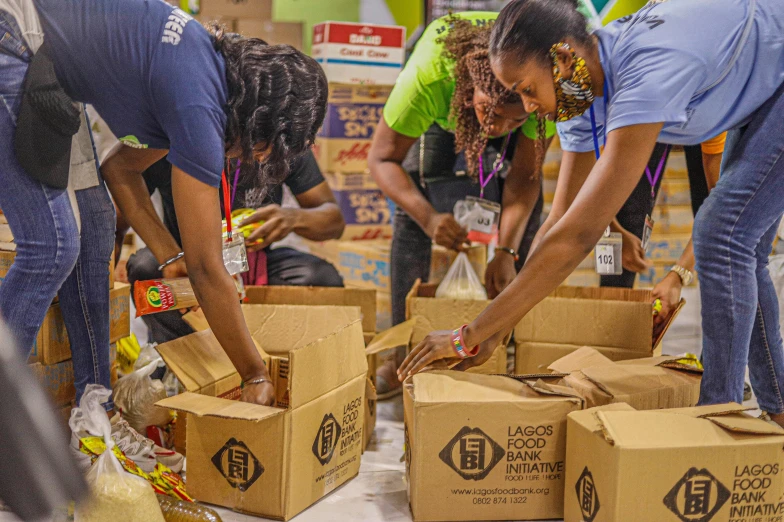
{"type": "Point", "coordinates": [466, 45]}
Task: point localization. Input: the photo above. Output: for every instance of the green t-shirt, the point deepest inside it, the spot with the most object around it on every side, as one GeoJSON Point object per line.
{"type": "Point", "coordinates": [423, 92]}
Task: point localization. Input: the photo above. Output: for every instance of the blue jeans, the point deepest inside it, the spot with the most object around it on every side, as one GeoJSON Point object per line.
{"type": "Point", "coordinates": [733, 237]}
{"type": "Point", "coordinates": [52, 257]}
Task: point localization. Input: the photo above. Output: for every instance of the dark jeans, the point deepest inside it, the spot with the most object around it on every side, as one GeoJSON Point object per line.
{"type": "Point", "coordinates": [411, 247]}
{"type": "Point", "coordinates": [632, 215]}
{"type": "Point", "coordinates": [285, 266]}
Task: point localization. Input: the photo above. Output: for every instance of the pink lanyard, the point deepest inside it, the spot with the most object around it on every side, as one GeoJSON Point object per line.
{"type": "Point", "coordinates": [498, 164]}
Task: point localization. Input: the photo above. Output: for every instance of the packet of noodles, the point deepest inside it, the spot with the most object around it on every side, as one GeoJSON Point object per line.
{"type": "Point", "coordinates": [161, 295]}
{"type": "Point", "coordinates": [237, 217]}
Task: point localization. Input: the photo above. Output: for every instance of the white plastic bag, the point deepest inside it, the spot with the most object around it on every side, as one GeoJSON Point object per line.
{"type": "Point", "coordinates": [461, 281]}
{"type": "Point", "coordinates": [136, 394]}
{"type": "Point", "coordinates": [114, 494]}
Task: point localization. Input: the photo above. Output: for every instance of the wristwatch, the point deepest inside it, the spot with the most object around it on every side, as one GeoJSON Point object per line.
{"type": "Point", "coordinates": [686, 275]}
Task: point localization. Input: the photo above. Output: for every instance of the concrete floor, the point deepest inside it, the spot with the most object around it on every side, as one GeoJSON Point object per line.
{"type": "Point", "coordinates": [379, 492]}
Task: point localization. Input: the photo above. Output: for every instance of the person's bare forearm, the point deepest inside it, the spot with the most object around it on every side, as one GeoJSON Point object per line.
{"type": "Point", "coordinates": [320, 223]}
{"type": "Point", "coordinates": [125, 182]}
{"type": "Point", "coordinates": [217, 296]}
{"type": "Point", "coordinates": [396, 184]}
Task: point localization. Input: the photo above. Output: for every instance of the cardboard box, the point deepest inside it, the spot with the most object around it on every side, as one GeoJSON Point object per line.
{"type": "Point", "coordinates": [287, 33]}
{"type": "Point", "coordinates": [363, 264]}
{"type": "Point", "coordinates": [533, 357]}
{"type": "Point", "coordinates": [482, 447]}
{"type": "Point", "coordinates": [353, 111]}
{"type": "Point", "coordinates": [364, 207]}
{"type": "Point", "coordinates": [673, 219]}
{"type": "Point", "coordinates": [645, 384]}
{"type": "Point", "coordinates": [342, 154]}
{"type": "Point", "coordinates": [696, 464]}
{"type": "Point", "coordinates": [276, 462]}
{"type": "Point", "coordinates": [442, 258]}
{"type": "Point", "coordinates": [359, 53]}
{"type": "Point", "coordinates": [52, 345]}
{"type": "Point", "coordinates": [667, 248]}
{"type": "Point", "coordinates": [6, 260]}
{"type": "Point", "coordinates": [365, 299]}
{"type": "Point", "coordinates": [602, 318]}
{"type": "Point", "coordinates": [433, 313]}
{"type": "Point", "coordinates": [57, 380]}
{"type": "Point", "coordinates": [367, 233]}
{"type": "Point", "coordinates": [674, 192]}
{"type": "Point", "coordinates": [383, 310]}
{"type": "Point", "coordinates": [214, 9]}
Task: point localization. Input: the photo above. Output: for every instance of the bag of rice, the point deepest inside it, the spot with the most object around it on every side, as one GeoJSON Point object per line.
{"type": "Point", "coordinates": [114, 494]}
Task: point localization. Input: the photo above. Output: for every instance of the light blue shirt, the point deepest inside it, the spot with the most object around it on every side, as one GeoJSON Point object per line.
{"type": "Point", "coordinates": [699, 66]}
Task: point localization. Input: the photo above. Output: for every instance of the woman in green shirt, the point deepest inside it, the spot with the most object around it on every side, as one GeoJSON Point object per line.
{"type": "Point", "coordinates": [447, 100]}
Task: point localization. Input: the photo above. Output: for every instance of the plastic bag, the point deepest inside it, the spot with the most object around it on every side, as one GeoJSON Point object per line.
{"type": "Point", "coordinates": [480, 217]}
{"type": "Point", "coordinates": [461, 281]}
{"type": "Point", "coordinates": [179, 511]}
{"type": "Point", "coordinates": [115, 494]}
{"type": "Point", "coordinates": [136, 394]}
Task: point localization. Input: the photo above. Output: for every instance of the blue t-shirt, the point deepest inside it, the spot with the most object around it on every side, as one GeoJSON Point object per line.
{"type": "Point", "coordinates": [150, 71]}
{"type": "Point", "coordinates": [700, 66]}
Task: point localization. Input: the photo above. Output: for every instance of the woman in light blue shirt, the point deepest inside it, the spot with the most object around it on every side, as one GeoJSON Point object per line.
{"type": "Point", "coordinates": [679, 72]}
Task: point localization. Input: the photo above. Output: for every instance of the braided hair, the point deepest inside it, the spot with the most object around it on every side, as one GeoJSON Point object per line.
{"type": "Point", "coordinates": [466, 45]}
{"type": "Point", "coordinates": [277, 97]}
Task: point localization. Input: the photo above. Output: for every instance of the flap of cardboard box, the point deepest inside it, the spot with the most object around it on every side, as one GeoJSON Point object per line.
{"type": "Point", "coordinates": [608, 317]}
{"type": "Point", "coordinates": [585, 357]}
{"type": "Point", "coordinates": [672, 362]}
{"type": "Point", "coordinates": [326, 363]}
{"type": "Point", "coordinates": [199, 361]}
{"type": "Point", "coordinates": [671, 429]}
{"type": "Point", "coordinates": [398, 335]}
{"type": "Point", "coordinates": [280, 329]}
{"type": "Point", "coordinates": [196, 320]}
{"type": "Point", "coordinates": [444, 386]}
{"type": "Point", "coordinates": [203, 405]}
{"type": "Point", "coordinates": [434, 313]}
{"type": "Point", "coordinates": [317, 295]}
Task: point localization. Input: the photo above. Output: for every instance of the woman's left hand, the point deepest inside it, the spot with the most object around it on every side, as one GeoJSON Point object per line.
{"type": "Point", "coordinates": [669, 292]}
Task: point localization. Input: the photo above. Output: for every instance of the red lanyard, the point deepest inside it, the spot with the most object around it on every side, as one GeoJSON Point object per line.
{"type": "Point", "coordinates": [228, 197]}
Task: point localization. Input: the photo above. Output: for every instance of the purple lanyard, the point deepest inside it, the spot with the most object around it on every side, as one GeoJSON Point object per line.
{"type": "Point", "coordinates": [236, 180]}
{"type": "Point", "coordinates": [652, 179]}
{"type": "Point", "coordinates": [498, 164]}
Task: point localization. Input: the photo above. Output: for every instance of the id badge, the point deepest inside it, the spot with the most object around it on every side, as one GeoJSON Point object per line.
{"type": "Point", "coordinates": [646, 233]}
{"type": "Point", "coordinates": [608, 254]}
{"type": "Point", "coordinates": [235, 258]}
{"type": "Point", "coordinates": [480, 217]}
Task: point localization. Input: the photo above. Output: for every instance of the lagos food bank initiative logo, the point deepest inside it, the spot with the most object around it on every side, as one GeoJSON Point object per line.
{"type": "Point", "coordinates": [587, 496]}
{"type": "Point", "coordinates": [326, 439]}
{"type": "Point", "coordinates": [472, 454]}
{"type": "Point", "coordinates": [697, 497]}
{"type": "Point", "coordinates": [237, 464]}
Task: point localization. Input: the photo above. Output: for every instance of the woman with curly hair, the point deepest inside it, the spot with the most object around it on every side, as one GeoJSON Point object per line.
{"type": "Point", "coordinates": [446, 113]}
{"type": "Point", "coordinates": [164, 85]}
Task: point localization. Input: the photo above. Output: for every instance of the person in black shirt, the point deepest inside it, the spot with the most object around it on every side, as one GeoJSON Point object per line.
{"type": "Point", "coordinates": [318, 219]}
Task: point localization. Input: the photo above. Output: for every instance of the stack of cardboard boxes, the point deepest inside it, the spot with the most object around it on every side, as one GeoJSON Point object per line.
{"type": "Point", "coordinates": [50, 357]}
{"type": "Point", "coordinates": [252, 19]}
{"type": "Point", "coordinates": [361, 62]}
{"type": "Point", "coordinates": [673, 221]}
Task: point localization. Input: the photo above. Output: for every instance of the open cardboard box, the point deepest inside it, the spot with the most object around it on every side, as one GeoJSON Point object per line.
{"type": "Point", "coordinates": [617, 322]}
{"type": "Point", "coordinates": [276, 462]}
{"type": "Point", "coordinates": [485, 447]}
{"type": "Point", "coordinates": [713, 463]}
{"type": "Point", "coordinates": [399, 335]}
{"type": "Point", "coordinates": [645, 384]}
{"type": "Point", "coordinates": [433, 313]}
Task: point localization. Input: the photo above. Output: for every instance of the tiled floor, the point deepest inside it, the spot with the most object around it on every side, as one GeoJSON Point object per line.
{"type": "Point", "coordinates": [379, 493]}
